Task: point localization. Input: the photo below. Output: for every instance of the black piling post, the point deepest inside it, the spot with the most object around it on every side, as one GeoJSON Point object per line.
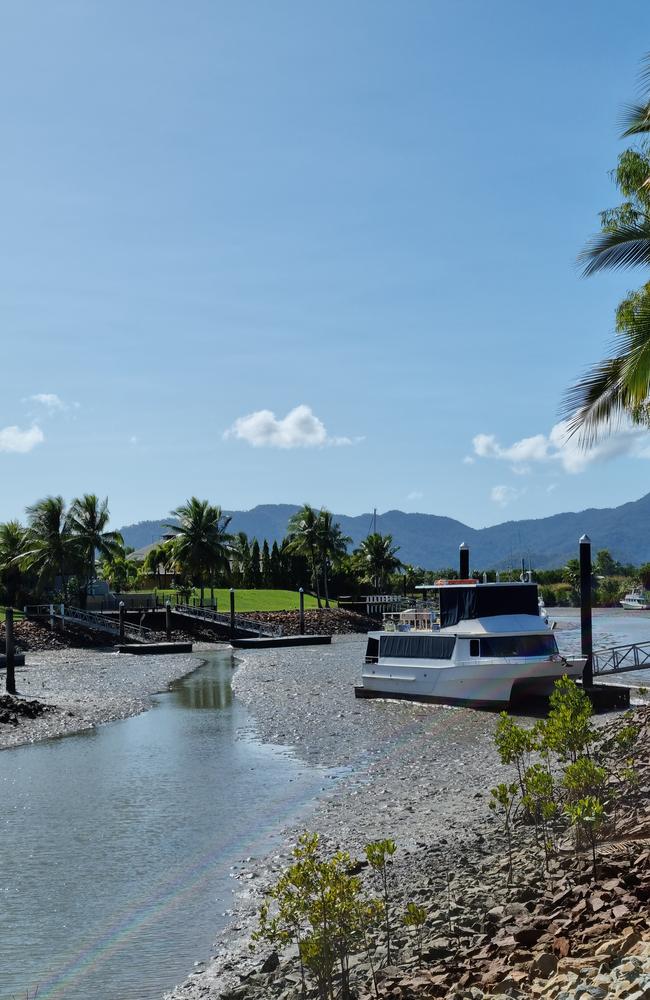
{"type": "Point", "coordinates": [463, 571]}
{"type": "Point", "coordinates": [122, 620]}
{"type": "Point", "coordinates": [232, 612]}
{"type": "Point", "coordinates": [9, 650]}
{"type": "Point", "coordinates": [301, 595]}
{"type": "Point", "coordinates": [168, 620]}
{"type": "Point", "coordinates": [585, 611]}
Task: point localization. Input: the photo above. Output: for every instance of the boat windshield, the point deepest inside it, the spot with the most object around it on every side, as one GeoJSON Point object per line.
{"type": "Point", "coordinates": [518, 645]}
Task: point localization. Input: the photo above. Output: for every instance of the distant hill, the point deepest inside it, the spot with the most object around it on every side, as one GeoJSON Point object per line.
{"type": "Point", "coordinates": [432, 541]}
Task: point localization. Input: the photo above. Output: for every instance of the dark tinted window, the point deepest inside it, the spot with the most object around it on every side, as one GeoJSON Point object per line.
{"type": "Point", "coordinates": [473, 647]}
{"type": "Point", "coordinates": [519, 645]}
{"type": "Point", "coordinates": [422, 647]}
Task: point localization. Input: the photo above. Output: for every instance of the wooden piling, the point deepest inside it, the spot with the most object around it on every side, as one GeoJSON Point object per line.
{"type": "Point", "coordinates": [302, 611]}
{"type": "Point", "coordinates": [10, 682]}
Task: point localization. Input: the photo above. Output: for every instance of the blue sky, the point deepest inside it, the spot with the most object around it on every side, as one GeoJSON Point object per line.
{"type": "Point", "coordinates": [277, 252]}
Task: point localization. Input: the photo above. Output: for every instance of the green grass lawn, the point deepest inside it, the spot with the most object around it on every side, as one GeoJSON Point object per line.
{"type": "Point", "coordinates": [252, 600]}
{"type": "Point", "coordinates": [17, 614]}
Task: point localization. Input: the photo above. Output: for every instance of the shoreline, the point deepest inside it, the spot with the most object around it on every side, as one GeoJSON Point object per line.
{"type": "Point", "coordinates": [415, 773]}
{"type": "Point", "coordinates": [88, 687]}
{"type": "Point", "coordinates": [418, 774]}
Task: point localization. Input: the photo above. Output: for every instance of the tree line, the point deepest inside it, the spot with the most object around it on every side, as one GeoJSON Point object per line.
{"type": "Point", "coordinates": [62, 549]}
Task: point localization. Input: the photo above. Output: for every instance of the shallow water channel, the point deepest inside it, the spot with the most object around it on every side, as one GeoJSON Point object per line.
{"type": "Point", "coordinates": [116, 844]}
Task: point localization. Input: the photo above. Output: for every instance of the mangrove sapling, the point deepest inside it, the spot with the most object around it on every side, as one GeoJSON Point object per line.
{"type": "Point", "coordinates": [378, 854]}
{"type": "Point", "coordinates": [539, 802]}
{"type": "Point", "coordinates": [318, 905]}
{"type": "Point", "coordinates": [586, 816]}
{"type": "Point", "coordinates": [416, 916]}
{"type": "Point", "coordinates": [567, 731]}
{"type": "Point", "coordinates": [515, 745]}
{"type": "Point", "coordinates": [502, 802]}
{"type": "Point", "coordinates": [370, 915]}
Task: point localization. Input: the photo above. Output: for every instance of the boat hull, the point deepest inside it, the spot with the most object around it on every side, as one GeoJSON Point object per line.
{"type": "Point", "coordinates": [488, 685]}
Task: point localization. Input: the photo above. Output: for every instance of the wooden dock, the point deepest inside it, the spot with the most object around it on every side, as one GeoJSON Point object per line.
{"type": "Point", "coordinates": [154, 648]}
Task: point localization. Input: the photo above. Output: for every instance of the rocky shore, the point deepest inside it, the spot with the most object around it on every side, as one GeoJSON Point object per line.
{"type": "Point", "coordinates": [318, 621]}
{"type": "Point", "coordinates": [421, 775]}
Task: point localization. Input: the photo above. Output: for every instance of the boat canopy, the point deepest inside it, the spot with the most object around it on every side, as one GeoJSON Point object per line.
{"type": "Point", "coordinates": [460, 603]}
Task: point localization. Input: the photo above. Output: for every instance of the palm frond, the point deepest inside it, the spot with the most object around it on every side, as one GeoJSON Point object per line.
{"type": "Point", "coordinates": [615, 388]}
{"type": "Point", "coordinates": [634, 120]}
{"type": "Point", "coordinates": [624, 246]}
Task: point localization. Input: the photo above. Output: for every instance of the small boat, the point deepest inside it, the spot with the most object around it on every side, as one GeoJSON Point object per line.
{"type": "Point", "coordinates": [636, 600]}
{"type": "Point", "coordinates": [486, 644]}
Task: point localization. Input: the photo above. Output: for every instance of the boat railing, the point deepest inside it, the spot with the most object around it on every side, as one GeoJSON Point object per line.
{"type": "Point", "coordinates": [412, 620]}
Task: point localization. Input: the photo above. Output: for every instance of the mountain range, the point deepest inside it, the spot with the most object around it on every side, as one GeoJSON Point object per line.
{"type": "Point", "coordinates": [432, 541]}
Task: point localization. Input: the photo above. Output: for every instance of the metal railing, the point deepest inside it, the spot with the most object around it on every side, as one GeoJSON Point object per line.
{"type": "Point", "coordinates": [219, 618]}
{"type": "Point", "coordinates": [619, 659]}
{"type": "Point", "coordinates": [90, 619]}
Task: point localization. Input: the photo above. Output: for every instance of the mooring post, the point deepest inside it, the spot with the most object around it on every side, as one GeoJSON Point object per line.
{"type": "Point", "coordinates": [122, 619]}
{"type": "Point", "coordinates": [9, 650]}
{"type": "Point", "coordinates": [586, 636]}
{"type": "Point", "coordinates": [52, 618]}
{"type": "Point", "coordinates": [463, 572]}
{"type": "Point", "coordinates": [232, 612]}
{"type": "Point", "coordinates": [301, 594]}
{"type": "Point", "coordinates": [168, 620]}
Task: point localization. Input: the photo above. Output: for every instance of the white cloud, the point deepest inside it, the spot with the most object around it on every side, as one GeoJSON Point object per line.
{"type": "Point", "coordinates": [301, 428]}
{"type": "Point", "coordinates": [16, 440]}
{"type": "Point", "coordinates": [504, 495]}
{"type": "Point", "coordinates": [468, 460]}
{"type": "Point", "coordinates": [51, 402]}
{"type": "Point", "coordinates": [415, 495]}
{"type": "Point", "coordinates": [133, 439]}
{"type": "Point", "coordinates": [559, 447]}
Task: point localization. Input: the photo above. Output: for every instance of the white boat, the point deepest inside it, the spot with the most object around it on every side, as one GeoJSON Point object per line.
{"type": "Point", "coordinates": [636, 600]}
{"type": "Point", "coordinates": [486, 646]}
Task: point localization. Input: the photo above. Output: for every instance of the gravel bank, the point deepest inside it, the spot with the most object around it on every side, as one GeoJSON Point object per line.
{"type": "Point", "coordinates": [416, 773]}
{"type": "Point", "coordinates": [87, 687]}
{"type": "Point", "coordinates": [419, 774]}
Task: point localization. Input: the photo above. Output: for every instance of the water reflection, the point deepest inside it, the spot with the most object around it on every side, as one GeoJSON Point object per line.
{"type": "Point", "coordinates": [206, 688]}
{"type": "Point", "coordinates": [119, 842]}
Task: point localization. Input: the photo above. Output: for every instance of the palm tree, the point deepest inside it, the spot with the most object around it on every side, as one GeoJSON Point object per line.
{"type": "Point", "coordinates": [303, 540]}
{"type": "Point", "coordinates": [158, 561]}
{"type": "Point", "coordinates": [332, 546]}
{"type": "Point", "coordinates": [12, 544]}
{"type": "Point", "coordinates": [376, 558]}
{"type": "Point", "coordinates": [87, 521]}
{"type": "Point", "coordinates": [47, 542]}
{"type": "Point", "coordinates": [200, 546]}
{"type": "Point", "coordinates": [120, 572]}
{"type": "Point", "coordinates": [619, 385]}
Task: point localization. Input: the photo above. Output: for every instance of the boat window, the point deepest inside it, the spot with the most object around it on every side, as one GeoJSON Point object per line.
{"type": "Point", "coordinates": [519, 645]}
{"type": "Point", "coordinates": [419, 647]}
{"type": "Point", "coordinates": [473, 647]}
{"type": "Point", "coordinates": [372, 650]}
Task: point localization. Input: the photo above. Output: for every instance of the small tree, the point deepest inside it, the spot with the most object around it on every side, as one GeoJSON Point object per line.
{"type": "Point", "coordinates": [539, 801]}
{"type": "Point", "coordinates": [568, 731]}
{"type": "Point", "coordinates": [502, 801]}
{"type": "Point", "coordinates": [514, 744]}
{"type": "Point", "coordinates": [586, 816]}
{"type": "Point", "coordinates": [378, 854]}
{"type": "Point", "coordinates": [415, 917]}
